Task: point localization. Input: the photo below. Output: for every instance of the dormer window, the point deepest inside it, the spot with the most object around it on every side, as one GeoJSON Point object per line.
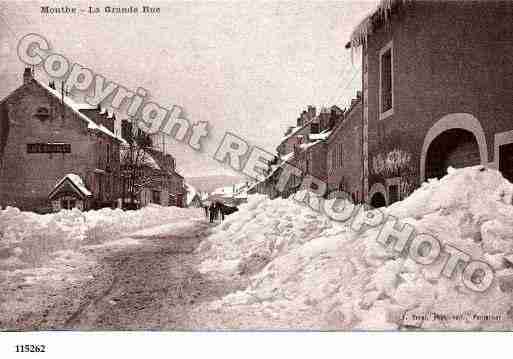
{"type": "Point", "coordinates": [42, 113]}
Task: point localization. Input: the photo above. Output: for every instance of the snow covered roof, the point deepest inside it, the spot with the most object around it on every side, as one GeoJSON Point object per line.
{"type": "Point", "coordinates": [306, 146]}
{"type": "Point", "coordinates": [292, 132]}
{"type": "Point", "coordinates": [287, 157]}
{"type": "Point", "coordinates": [191, 193]}
{"type": "Point", "coordinates": [76, 181]}
{"type": "Point", "coordinates": [147, 159]}
{"type": "Point", "coordinates": [150, 161]}
{"type": "Point", "coordinates": [85, 106]}
{"type": "Point", "coordinates": [235, 190]}
{"type": "Point", "coordinates": [319, 136]}
{"type": "Point", "coordinates": [383, 11]}
{"type": "Point", "coordinates": [76, 107]}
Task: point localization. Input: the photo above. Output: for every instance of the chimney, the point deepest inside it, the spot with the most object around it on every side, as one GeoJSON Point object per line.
{"type": "Point", "coordinates": [126, 130]}
{"type": "Point", "coordinates": [304, 117]}
{"type": "Point", "coordinates": [324, 118]}
{"type": "Point", "coordinates": [314, 128]}
{"type": "Point", "coordinates": [110, 121]}
{"type": "Point", "coordinates": [170, 161]}
{"type": "Point", "coordinates": [299, 122]}
{"type": "Point", "coordinates": [27, 75]}
{"type": "Point", "coordinates": [52, 85]}
{"type": "Point", "coordinates": [311, 112]}
{"type": "Point", "coordinates": [101, 116]}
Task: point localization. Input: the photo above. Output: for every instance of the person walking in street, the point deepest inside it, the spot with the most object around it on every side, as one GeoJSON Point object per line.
{"type": "Point", "coordinates": [205, 207]}
{"type": "Point", "coordinates": [212, 210]}
{"type": "Point", "coordinates": [219, 210]}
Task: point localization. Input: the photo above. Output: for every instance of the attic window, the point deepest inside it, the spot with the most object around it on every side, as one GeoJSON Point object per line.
{"type": "Point", "coordinates": [42, 113]}
{"type": "Point", "coordinates": [386, 100]}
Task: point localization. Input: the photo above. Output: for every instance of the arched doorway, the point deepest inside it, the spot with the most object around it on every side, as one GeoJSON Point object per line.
{"type": "Point", "coordinates": [462, 128]}
{"type": "Point", "coordinates": [378, 200]}
{"type": "Point", "coordinates": [455, 147]}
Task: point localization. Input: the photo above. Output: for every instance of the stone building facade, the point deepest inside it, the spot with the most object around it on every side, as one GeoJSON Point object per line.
{"type": "Point", "coordinates": [344, 153]}
{"type": "Point", "coordinates": [43, 137]}
{"type": "Point", "coordinates": [437, 90]}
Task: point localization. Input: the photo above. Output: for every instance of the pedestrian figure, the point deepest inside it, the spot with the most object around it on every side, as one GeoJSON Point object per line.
{"type": "Point", "coordinates": [216, 211]}
{"type": "Point", "coordinates": [212, 210]}
{"type": "Point", "coordinates": [205, 207]}
{"type": "Point", "coordinates": [219, 209]}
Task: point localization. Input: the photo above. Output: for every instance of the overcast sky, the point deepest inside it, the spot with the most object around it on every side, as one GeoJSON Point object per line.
{"type": "Point", "coordinates": [248, 68]}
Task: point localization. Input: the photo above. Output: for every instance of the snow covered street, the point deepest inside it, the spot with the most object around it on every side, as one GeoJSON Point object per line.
{"type": "Point", "coordinates": [121, 283]}
{"type": "Point", "coordinates": [274, 264]}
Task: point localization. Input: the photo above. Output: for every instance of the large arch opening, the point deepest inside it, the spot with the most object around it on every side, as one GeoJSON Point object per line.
{"type": "Point", "coordinates": [378, 200]}
{"type": "Point", "coordinates": [455, 147]}
{"type": "Point", "coordinates": [456, 133]}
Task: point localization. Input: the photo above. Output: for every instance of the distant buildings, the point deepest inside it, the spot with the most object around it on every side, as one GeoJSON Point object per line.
{"type": "Point", "coordinates": [232, 195]}
{"type": "Point", "coordinates": [194, 199]}
{"type": "Point", "coordinates": [319, 146]}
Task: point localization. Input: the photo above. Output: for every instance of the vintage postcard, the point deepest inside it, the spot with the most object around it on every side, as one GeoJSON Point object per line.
{"type": "Point", "coordinates": [256, 166]}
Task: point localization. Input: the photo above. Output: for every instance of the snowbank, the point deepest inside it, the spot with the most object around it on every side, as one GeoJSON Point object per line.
{"type": "Point", "coordinates": [306, 271]}
{"type": "Point", "coordinates": [27, 238]}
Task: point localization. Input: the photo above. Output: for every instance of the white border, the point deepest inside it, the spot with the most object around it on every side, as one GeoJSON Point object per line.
{"type": "Point", "coordinates": [259, 345]}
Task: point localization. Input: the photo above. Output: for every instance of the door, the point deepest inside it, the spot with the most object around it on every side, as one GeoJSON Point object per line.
{"type": "Point", "coordinates": [506, 161]}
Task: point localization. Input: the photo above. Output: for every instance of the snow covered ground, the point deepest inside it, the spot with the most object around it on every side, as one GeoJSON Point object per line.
{"type": "Point", "coordinates": [309, 272]}
{"type": "Point", "coordinates": [297, 268]}
{"type": "Point", "coordinates": [44, 257]}
{"type": "Point", "coordinates": [28, 239]}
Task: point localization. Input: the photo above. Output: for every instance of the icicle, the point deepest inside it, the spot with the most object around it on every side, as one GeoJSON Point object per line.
{"type": "Point", "coordinates": [364, 29]}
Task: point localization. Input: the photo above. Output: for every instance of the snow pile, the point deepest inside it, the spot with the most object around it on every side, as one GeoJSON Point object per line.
{"type": "Point", "coordinates": [262, 229]}
{"type": "Point", "coordinates": [308, 272]}
{"type": "Point", "coordinates": [27, 238]}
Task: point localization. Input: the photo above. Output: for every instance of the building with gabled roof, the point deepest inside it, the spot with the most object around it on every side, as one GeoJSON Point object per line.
{"type": "Point", "coordinates": [156, 179]}
{"type": "Point", "coordinates": [45, 135]}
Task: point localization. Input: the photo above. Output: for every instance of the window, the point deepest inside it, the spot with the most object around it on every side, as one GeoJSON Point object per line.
{"type": "Point", "coordinates": [108, 153]}
{"type": "Point", "coordinates": [100, 188]}
{"type": "Point", "coordinates": [42, 113]}
{"type": "Point", "coordinates": [386, 100]}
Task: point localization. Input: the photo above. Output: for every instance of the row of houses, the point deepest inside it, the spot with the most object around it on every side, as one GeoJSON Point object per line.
{"type": "Point", "coordinates": [437, 90]}
{"type": "Point", "coordinates": [58, 153]}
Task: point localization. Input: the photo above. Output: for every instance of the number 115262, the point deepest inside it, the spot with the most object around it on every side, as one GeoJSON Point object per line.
{"type": "Point", "coordinates": [30, 348]}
